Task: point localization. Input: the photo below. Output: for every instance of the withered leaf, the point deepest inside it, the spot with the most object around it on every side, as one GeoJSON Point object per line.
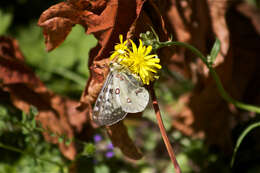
{"type": "Point", "coordinates": [57, 23]}
{"type": "Point", "coordinates": [56, 113]}
{"type": "Point", "coordinates": [120, 138]}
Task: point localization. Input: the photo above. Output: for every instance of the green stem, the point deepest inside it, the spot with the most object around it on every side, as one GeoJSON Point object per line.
{"type": "Point", "coordinates": [220, 87]}
{"type": "Point", "coordinates": [7, 147]}
{"type": "Point", "coordinates": [193, 49]}
{"type": "Point", "coordinates": [67, 74]}
{"type": "Point", "coordinates": [228, 98]}
{"type": "Point", "coordinates": [71, 76]}
{"type": "Point", "coordinates": [240, 139]}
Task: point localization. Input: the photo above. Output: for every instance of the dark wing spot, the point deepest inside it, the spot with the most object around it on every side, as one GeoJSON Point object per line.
{"type": "Point", "coordinates": [97, 104]}
{"type": "Point", "coordinates": [117, 91]}
{"type": "Point", "coordinates": [105, 89]}
{"type": "Point", "coordinates": [138, 91]}
{"type": "Point", "coordinates": [128, 100]}
{"type": "Point", "coordinates": [111, 91]}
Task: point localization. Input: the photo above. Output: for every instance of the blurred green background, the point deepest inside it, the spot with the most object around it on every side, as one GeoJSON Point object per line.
{"type": "Point", "coordinates": [64, 71]}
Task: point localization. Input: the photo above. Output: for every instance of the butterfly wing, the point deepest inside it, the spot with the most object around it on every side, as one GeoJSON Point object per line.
{"type": "Point", "coordinates": [131, 96]}
{"type": "Point", "coordinates": [107, 110]}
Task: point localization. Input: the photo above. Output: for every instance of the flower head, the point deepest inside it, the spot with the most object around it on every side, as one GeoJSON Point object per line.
{"type": "Point", "coordinates": [120, 49]}
{"type": "Point", "coordinates": [110, 146]}
{"type": "Point", "coordinates": [97, 138]}
{"type": "Point", "coordinates": [137, 61]}
{"type": "Point", "coordinates": [110, 154]}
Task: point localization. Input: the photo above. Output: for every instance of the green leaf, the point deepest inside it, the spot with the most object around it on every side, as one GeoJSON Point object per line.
{"type": "Point", "coordinates": [6, 19]}
{"type": "Point", "coordinates": [3, 112]}
{"type": "Point", "coordinates": [33, 111]}
{"type": "Point", "coordinates": [68, 142]}
{"type": "Point", "coordinates": [25, 131]}
{"type": "Point", "coordinates": [53, 135]}
{"type": "Point", "coordinates": [214, 52]}
{"type": "Point", "coordinates": [241, 137]}
{"type": "Point", "coordinates": [60, 139]}
{"type": "Point", "coordinates": [101, 169]}
{"type": "Point", "coordinates": [24, 117]}
{"type": "Point", "coordinates": [89, 149]}
{"type": "Point", "coordinates": [61, 169]}
{"type": "Point", "coordinates": [33, 124]}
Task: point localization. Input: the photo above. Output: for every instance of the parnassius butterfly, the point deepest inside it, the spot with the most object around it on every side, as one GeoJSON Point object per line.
{"type": "Point", "coordinates": [121, 93]}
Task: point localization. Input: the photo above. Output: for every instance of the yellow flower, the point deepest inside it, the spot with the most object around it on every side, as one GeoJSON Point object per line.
{"type": "Point", "coordinates": [139, 62]}
{"type": "Point", "coordinates": [120, 49]}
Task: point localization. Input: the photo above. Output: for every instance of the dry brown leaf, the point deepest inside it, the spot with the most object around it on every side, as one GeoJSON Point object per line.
{"type": "Point", "coordinates": [56, 113]}
{"type": "Point", "coordinates": [57, 23]}
{"type": "Point", "coordinates": [120, 138]}
{"type": "Point", "coordinates": [12, 67]}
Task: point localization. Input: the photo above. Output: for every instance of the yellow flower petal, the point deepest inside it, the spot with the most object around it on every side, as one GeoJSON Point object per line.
{"type": "Point", "coordinates": [134, 46]}
{"type": "Point", "coordinates": [148, 50]}
{"type": "Point", "coordinates": [121, 38]}
{"type": "Point", "coordinates": [140, 48]}
{"type": "Point", "coordinates": [149, 57]}
{"type": "Point", "coordinates": [151, 69]}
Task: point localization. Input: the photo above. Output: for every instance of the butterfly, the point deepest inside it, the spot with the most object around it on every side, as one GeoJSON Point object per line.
{"type": "Point", "coordinates": [121, 93]}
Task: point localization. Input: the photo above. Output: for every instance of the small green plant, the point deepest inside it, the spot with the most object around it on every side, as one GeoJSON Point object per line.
{"type": "Point", "coordinates": [27, 141]}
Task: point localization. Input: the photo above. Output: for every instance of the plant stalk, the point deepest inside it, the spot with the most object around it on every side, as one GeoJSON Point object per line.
{"type": "Point", "coordinates": [163, 132]}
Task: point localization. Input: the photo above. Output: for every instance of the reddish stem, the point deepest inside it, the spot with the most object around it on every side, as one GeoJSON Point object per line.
{"type": "Point", "coordinates": [163, 132]}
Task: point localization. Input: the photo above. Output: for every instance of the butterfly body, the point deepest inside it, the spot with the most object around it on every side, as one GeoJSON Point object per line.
{"type": "Point", "coordinates": [121, 93]}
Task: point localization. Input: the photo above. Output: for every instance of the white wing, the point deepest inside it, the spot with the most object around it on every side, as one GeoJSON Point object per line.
{"type": "Point", "coordinates": [107, 110]}
{"type": "Point", "coordinates": [130, 95]}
